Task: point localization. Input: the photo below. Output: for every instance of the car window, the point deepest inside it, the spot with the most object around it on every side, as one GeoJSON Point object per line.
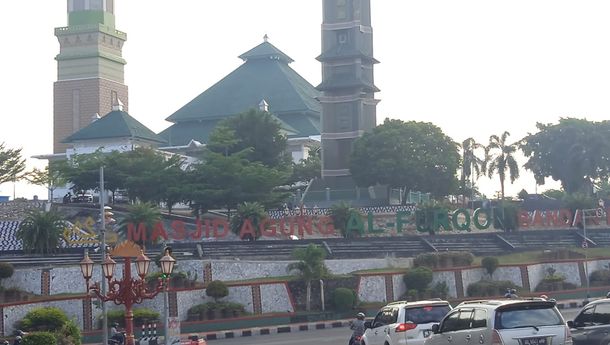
{"type": "Point", "coordinates": [585, 316]}
{"type": "Point", "coordinates": [426, 314]}
{"type": "Point", "coordinates": [394, 317]}
{"type": "Point", "coordinates": [520, 316]}
{"type": "Point", "coordinates": [465, 319]}
{"type": "Point", "coordinates": [378, 321]}
{"type": "Point", "coordinates": [601, 315]}
{"type": "Point", "coordinates": [450, 323]}
{"type": "Point", "coordinates": [479, 319]}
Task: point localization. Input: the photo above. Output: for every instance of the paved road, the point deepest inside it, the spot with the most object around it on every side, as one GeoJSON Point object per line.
{"type": "Point", "coordinates": [325, 336]}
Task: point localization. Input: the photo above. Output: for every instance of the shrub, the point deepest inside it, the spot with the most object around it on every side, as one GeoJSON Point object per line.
{"type": "Point", "coordinates": [343, 299]}
{"type": "Point", "coordinates": [426, 260]}
{"type": "Point", "coordinates": [418, 278]}
{"type": "Point", "coordinates": [44, 319]}
{"type": "Point", "coordinates": [175, 277]}
{"type": "Point", "coordinates": [485, 288]}
{"type": "Point", "coordinates": [554, 282]}
{"type": "Point", "coordinates": [6, 270]}
{"type": "Point", "coordinates": [40, 338]}
{"type": "Point", "coordinates": [69, 334]}
{"type": "Point", "coordinates": [217, 290]}
{"type": "Point", "coordinates": [600, 278]}
{"type": "Point", "coordinates": [140, 316]}
{"type": "Point", "coordinates": [490, 264]}
{"type": "Point", "coordinates": [439, 290]}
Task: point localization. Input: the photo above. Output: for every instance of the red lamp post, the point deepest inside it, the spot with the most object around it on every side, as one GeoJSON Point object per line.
{"type": "Point", "coordinates": [129, 290]}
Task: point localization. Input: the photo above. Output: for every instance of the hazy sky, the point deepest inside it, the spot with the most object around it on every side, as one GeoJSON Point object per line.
{"type": "Point", "coordinates": [473, 67]}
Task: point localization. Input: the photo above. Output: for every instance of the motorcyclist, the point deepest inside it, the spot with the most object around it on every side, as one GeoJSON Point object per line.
{"type": "Point", "coordinates": [17, 340]}
{"type": "Point", "coordinates": [115, 335]}
{"type": "Point", "coordinates": [357, 326]}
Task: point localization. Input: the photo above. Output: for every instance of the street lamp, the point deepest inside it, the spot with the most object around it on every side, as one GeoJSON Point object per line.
{"type": "Point", "coordinates": [167, 265]}
{"type": "Point", "coordinates": [128, 290]}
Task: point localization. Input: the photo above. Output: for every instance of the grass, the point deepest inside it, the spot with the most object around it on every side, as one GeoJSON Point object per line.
{"type": "Point", "coordinates": [534, 256]}
{"type": "Point", "coordinates": [381, 270]}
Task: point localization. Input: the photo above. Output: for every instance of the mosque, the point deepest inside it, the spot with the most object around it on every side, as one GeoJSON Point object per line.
{"type": "Point", "coordinates": [90, 82]}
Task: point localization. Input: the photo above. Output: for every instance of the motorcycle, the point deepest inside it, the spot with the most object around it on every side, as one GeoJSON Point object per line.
{"type": "Point", "coordinates": [356, 340]}
{"type": "Point", "coordinates": [117, 341]}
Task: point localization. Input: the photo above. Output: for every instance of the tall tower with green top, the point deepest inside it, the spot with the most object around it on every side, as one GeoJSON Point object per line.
{"type": "Point", "coordinates": [348, 100]}
{"type": "Point", "coordinates": [90, 68]}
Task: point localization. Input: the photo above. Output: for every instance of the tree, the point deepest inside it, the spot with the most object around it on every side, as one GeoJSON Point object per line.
{"type": "Point", "coordinates": [470, 163]}
{"type": "Point", "coordinates": [307, 169]}
{"type": "Point", "coordinates": [11, 164]}
{"type": "Point", "coordinates": [221, 181]}
{"type": "Point", "coordinates": [502, 158]}
{"type": "Point", "coordinates": [414, 155]}
{"type": "Point", "coordinates": [51, 177]}
{"type": "Point", "coordinates": [83, 171]}
{"type": "Point", "coordinates": [573, 151]}
{"type": "Point", "coordinates": [490, 263]}
{"type": "Point", "coordinates": [310, 266]}
{"type": "Point", "coordinates": [255, 129]}
{"type": "Point", "coordinates": [252, 211]}
{"type": "Point", "coordinates": [340, 214]}
{"type": "Point", "coordinates": [144, 213]}
{"type": "Point", "coordinates": [217, 290]}
{"type": "Point", "coordinates": [556, 194]}
{"type": "Point", "coordinates": [146, 167]}
{"type": "Point", "coordinates": [6, 270]}
{"type": "Point", "coordinates": [40, 231]}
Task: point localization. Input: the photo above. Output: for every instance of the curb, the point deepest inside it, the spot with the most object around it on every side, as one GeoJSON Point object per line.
{"type": "Point", "coordinates": [293, 328]}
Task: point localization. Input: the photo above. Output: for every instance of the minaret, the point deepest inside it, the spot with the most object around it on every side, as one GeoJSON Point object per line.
{"type": "Point", "coordinates": [90, 68]}
{"type": "Point", "coordinates": [348, 101]}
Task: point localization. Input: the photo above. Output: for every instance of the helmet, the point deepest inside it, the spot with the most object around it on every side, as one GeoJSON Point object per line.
{"type": "Point", "coordinates": [544, 297]}
{"type": "Point", "coordinates": [18, 337]}
{"type": "Point", "coordinates": [608, 295]}
{"type": "Point", "coordinates": [360, 316]}
{"type": "Point", "coordinates": [115, 324]}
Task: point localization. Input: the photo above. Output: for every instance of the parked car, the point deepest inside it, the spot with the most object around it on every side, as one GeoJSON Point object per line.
{"type": "Point", "coordinates": [82, 198]}
{"type": "Point", "coordinates": [532, 321]}
{"type": "Point", "coordinates": [592, 324]}
{"type": "Point", "coordinates": [403, 322]}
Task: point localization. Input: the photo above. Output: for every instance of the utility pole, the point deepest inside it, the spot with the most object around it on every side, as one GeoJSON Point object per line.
{"type": "Point", "coordinates": [585, 245]}
{"type": "Point", "coordinates": [103, 251]}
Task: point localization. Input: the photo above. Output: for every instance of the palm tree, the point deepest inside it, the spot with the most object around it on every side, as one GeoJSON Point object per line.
{"type": "Point", "coordinates": [144, 213]}
{"type": "Point", "coordinates": [340, 214]}
{"type": "Point", "coordinates": [310, 267]}
{"type": "Point", "coordinates": [470, 162]}
{"type": "Point", "coordinates": [253, 211]}
{"type": "Point", "coordinates": [500, 158]}
{"type": "Point", "coordinates": [40, 231]}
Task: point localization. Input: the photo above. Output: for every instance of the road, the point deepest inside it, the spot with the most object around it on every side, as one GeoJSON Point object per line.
{"type": "Point", "coordinates": [325, 336]}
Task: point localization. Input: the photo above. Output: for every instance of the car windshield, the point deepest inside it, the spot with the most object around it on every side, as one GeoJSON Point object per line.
{"type": "Point", "coordinates": [527, 316]}
{"type": "Point", "coordinates": [426, 314]}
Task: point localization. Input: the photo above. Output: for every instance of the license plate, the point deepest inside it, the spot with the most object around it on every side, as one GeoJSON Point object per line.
{"type": "Point", "coordinates": [534, 341]}
{"type": "Point", "coordinates": [427, 333]}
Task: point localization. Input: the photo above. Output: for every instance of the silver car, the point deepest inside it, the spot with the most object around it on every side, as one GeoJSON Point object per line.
{"type": "Point", "coordinates": [503, 322]}
{"type": "Point", "coordinates": [402, 323]}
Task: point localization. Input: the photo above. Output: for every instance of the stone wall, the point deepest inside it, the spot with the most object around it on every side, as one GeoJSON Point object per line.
{"type": "Point", "coordinates": [372, 289]}
{"type": "Point", "coordinates": [12, 314]}
{"type": "Point", "coordinates": [569, 270]}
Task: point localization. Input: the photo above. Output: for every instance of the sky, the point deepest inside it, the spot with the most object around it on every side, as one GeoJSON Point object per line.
{"type": "Point", "coordinates": [472, 67]}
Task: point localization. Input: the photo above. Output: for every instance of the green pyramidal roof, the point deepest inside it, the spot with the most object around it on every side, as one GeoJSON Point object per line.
{"type": "Point", "coordinates": [265, 75]}
{"type": "Point", "coordinates": [116, 124]}
{"type": "Point", "coordinates": [265, 50]}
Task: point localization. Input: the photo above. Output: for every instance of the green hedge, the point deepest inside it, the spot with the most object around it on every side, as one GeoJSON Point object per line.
{"type": "Point", "coordinates": [215, 310]}
{"type": "Point", "coordinates": [44, 319]}
{"type": "Point", "coordinates": [418, 278]}
{"type": "Point", "coordinates": [485, 288]}
{"type": "Point", "coordinates": [600, 278]}
{"type": "Point", "coordinates": [40, 338]}
{"type": "Point", "coordinates": [140, 317]}
{"type": "Point", "coordinates": [217, 289]}
{"type": "Point", "coordinates": [343, 299]}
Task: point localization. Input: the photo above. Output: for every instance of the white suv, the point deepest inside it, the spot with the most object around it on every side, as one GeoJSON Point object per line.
{"type": "Point", "coordinates": [401, 323]}
{"type": "Point", "coordinates": [503, 322]}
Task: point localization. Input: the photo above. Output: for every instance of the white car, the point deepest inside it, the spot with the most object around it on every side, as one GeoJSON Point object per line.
{"type": "Point", "coordinates": [401, 323]}
{"type": "Point", "coordinates": [503, 322]}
